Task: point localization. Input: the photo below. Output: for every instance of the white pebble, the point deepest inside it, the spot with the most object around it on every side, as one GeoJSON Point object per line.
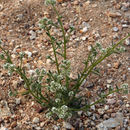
{"type": "Point", "coordinates": [36, 120]}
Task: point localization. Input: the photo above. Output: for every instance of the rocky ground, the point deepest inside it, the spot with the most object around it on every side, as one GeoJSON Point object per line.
{"type": "Point", "coordinates": [103, 21]}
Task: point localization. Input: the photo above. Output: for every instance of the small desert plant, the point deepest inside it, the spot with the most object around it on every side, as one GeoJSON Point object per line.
{"type": "Point", "coordinates": [54, 89]}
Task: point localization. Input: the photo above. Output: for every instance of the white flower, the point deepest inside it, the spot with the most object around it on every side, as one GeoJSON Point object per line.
{"type": "Point", "coordinates": [57, 100]}
{"type": "Point", "coordinates": [64, 108]}
{"type": "Point", "coordinates": [61, 116]}
{"type": "Point", "coordinates": [52, 83]}
{"type": "Point", "coordinates": [48, 115]}
{"type": "Point", "coordinates": [59, 77]}
{"type": "Point", "coordinates": [54, 109]}
{"type": "Point", "coordinates": [69, 115]}
{"type": "Point", "coordinates": [71, 93]}
{"type": "Point", "coordinates": [52, 89]}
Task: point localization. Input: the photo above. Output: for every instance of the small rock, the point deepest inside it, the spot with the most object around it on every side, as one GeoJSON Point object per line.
{"type": "Point", "coordinates": [115, 29]}
{"type": "Point", "coordinates": [76, 2]}
{"type": "Point", "coordinates": [116, 65]}
{"type": "Point", "coordinates": [125, 26]}
{"type": "Point", "coordinates": [3, 128]}
{"type": "Point", "coordinates": [127, 105]}
{"type": "Point", "coordinates": [36, 120]}
{"type": "Point", "coordinates": [38, 128]}
{"type": "Point", "coordinates": [105, 116]}
{"type": "Point", "coordinates": [48, 61]}
{"type": "Point", "coordinates": [42, 124]}
{"type": "Point", "coordinates": [106, 107]}
{"type": "Point", "coordinates": [84, 30]}
{"type": "Point", "coordinates": [1, 7]}
{"type": "Point", "coordinates": [33, 35]}
{"type": "Point", "coordinates": [66, 26]}
{"type": "Point", "coordinates": [101, 111]}
{"type": "Point", "coordinates": [80, 113]}
{"type": "Point", "coordinates": [19, 17]}
{"type": "Point", "coordinates": [18, 101]}
{"type": "Point", "coordinates": [28, 53]}
{"type": "Point", "coordinates": [64, 4]}
{"type": "Point", "coordinates": [124, 8]}
{"type": "Point", "coordinates": [89, 113]}
{"type": "Point", "coordinates": [110, 123]}
{"type": "Point", "coordinates": [113, 115]}
{"type": "Point", "coordinates": [116, 36]}
{"type": "Point", "coordinates": [15, 83]}
{"type": "Point", "coordinates": [127, 41]}
{"type": "Point", "coordinates": [56, 127]}
{"type": "Point", "coordinates": [87, 3]}
{"type": "Point", "coordinates": [31, 72]}
{"type": "Point", "coordinates": [13, 124]}
{"type": "Point", "coordinates": [83, 38]}
{"type": "Point", "coordinates": [89, 48]}
{"type": "Point", "coordinates": [109, 81]}
{"type": "Point", "coordinates": [113, 14]}
{"type": "Point", "coordinates": [111, 101]}
{"type": "Point", "coordinates": [4, 109]}
{"type": "Point", "coordinates": [109, 65]}
{"type": "Point", "coordinates": [67, 125]}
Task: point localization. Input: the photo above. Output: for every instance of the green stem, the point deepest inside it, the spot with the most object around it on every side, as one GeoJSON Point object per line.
{"type": "Point", "coordinates": [7, 54]}
{"type": "Point", "coordinates": [65, 39]}
{"type": "Point", "coordinates": [96, 102]}
{"type": "Point", "coordinates": [18, 70]}
{"type": "Point", "coordinates": [54, 50]}
{"type": "Point", "coordinates": [99, 60]}
{"type": "Point", "coordinates": [62, 29]}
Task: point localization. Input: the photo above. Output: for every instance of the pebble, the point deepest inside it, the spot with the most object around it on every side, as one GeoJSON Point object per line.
{"type": "Point", "coordinates": [19, 17]}
{"type": "Point", "coordinates": [101, 111]}
{"type": "Point", "coordinates": [3, 128]}
{"type": "Point", "coordinates": [93, 107]}
{"type": "Point", "coordinates": [87, 3]}
{"type": "Point", "coordinates": [76, 2]}
{"type": "Point", "coordinates": [33, 35]}
{"type": "Point", "coordinates": [123, 8]}
{"type": "Point", "coordinates": [111, 101]}
{"type": "Point", "coordinates": [15, 83]}
{"type": "Point", "coordinates": [109, 81]}
{"type": "Point", "coordinates": [36, 120]}
{"type": "Point", "coordinates": [115, 29]}
{"type": "Point", "coordinates": [28, 53]}
{"type": "Point", "coordinates": [127, 105]}
{"type": "Point", "coordinates": [109, 65]}
{"type": "Point", "coordinates": [13, 124]}
{"type": "Point", "coordinates": [56, 127]}
{"type": "Point", "coordinates": [89, 48]}
{"type": "Point", "coordinates": [106, 107]}
{"type": "Point", "coordinates": [113, 14]}
{"type": "Point", "coordinates": [80, 113]}
{"type": "Point", "coordinates": [116, 65]}
{"type": "Point", "coordinates": [48, 61]}
{"type": "Point", "coordinates": [31, 72]}
{"type": "Point", "coordinates": [125, 26]}
{"type": "Point", "coordinates": [42, 124]}
{"type": "Point", "coordinates": [127, 41]}
{"type": "Point", "coordinates": [18, 101]}
{"type": "Point", "coordinates": [84, 30]}
{"type": "Point", "coordinates": [116, 36]}
{"type": "Point", "coordinates": [110, 123]}
{"type": "Point", "coordinates": [1, 7]}
{"type": "Point", "coordinates": [83, 38]}
{"type": "Point", "coordinates": [67, 125]}
{"type": "Point", "coordinates": [113, 115]}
